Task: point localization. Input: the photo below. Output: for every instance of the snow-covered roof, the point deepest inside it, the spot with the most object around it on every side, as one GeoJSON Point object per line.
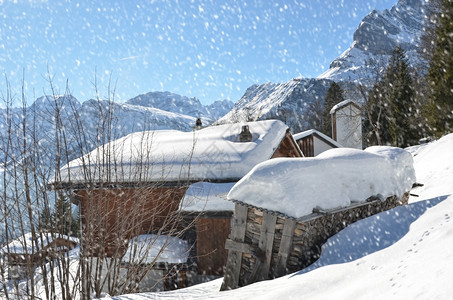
{"type": "Point", "coordinates": [25, 245]}
{"type": "Point", "coordinates": [333, 179]}
{"type": "Point", "coordinates": [309, 132]}
{"type": "Point", "coordinates": [207, 196]}
{"type": "Point", "coordinates": [149, 248]}
{"type": "Point", "coordinates": [343, 104]}
{"type": "Point", "coordinates": [212, 153]}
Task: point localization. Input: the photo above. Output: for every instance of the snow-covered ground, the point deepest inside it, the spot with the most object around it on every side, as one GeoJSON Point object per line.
{"type": "Point", "coordinates": [403, 253]}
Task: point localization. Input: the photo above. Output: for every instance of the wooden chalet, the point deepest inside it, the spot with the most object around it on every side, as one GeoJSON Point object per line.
{"type": "Point", "coordinates": [313, 142]}
{"type": "Point", "coordinates": [134, 185]}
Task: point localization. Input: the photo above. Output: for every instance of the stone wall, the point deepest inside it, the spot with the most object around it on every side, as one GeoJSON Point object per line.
{"type": "Point", "coordinates": [289, 244]}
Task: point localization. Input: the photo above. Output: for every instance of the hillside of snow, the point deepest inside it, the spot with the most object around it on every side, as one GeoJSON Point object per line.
{"type": "Point", "coordinates": [399, 254]}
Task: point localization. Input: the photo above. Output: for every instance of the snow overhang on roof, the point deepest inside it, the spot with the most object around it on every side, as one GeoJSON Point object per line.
{"type": "Point", "coordinates": [207, 197]}
{"type": "Point", "coordinates": [212, 153]}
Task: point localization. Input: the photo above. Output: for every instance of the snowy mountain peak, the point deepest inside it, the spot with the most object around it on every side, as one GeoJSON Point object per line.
{"type": "Point", "coordinates": [299, 101]}
{"type": "Point", "coordinates": [376, 37]}
{"type": "Point", "coordinates": [58, 101]}
{"type": "Point", "coordinates": [291, 102]}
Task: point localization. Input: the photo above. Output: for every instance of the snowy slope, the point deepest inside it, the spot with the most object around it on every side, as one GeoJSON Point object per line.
{"type": "Point", "coordinates": [403, 253]}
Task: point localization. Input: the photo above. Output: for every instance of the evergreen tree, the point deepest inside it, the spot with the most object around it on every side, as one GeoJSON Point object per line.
{"type": "Point", "coordinates": [439, 109]}
{"type": "Point", "coordinates": [63, 219]}
{"type": "Point", "coordinates": [402, 101]}
{"type": "Point", "coordinates": [378, 115]}
{"type": "Point", "coordinates": [45, 220]}
{"type": "Point", "coordinates": [391, 106]}
{"type": "Point", "coordinates": [334, 96]}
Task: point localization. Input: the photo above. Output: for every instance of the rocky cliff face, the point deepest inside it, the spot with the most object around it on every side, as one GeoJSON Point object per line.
{"type": "Point", "coordinates": [376, 37]}
{"type": "Point", "coordinates": [297, 102]}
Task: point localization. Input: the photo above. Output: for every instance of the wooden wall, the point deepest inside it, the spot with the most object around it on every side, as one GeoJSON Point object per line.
{"type": "Point", "coordinates": [287, 148]}
{"type": "Point", "coordinates": [110, 217]}
{"type": "Point", "coordinates": [211, 236]}
{"type": "Point", "coordinates": [307, 146]}
{"type": "Point", "coordinates": [264, 244]}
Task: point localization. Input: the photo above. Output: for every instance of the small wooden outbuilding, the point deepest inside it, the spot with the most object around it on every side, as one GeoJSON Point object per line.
{"type": "Point", "coordinates": [267, 244]}
{"type": "Point", "coordinates": [282, 220]}
{"type": "Point", "coordinates": [24, 254]}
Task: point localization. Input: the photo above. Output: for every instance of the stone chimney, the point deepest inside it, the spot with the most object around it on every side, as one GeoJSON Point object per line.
{"type": "Point", "coordinates": [245, 135]}
{"type": "Point", "coordinates": [198, 124]}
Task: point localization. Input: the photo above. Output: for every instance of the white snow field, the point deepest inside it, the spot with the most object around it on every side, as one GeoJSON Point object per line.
{"type": "Point", "coordinates": [404, 253]}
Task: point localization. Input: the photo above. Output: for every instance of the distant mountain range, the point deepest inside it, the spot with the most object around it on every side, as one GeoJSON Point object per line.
{"type": "Point", "coordinates": [297, 101]}
{"type": "Point", "coordinates": [94, 122]}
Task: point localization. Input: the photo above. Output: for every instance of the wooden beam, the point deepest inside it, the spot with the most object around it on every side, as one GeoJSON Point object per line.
{"type": "Point", "coordinates": [233, 267]}
{"type": "Point", "coordinates": [237, 246]}
{"type": "Point", "coordinates": [285, 247]}
{"type": "Point", "coordinates": [265, 244]}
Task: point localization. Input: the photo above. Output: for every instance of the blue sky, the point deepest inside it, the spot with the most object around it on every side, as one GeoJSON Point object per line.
{"type": "Point", "coordinates": [210, 50]}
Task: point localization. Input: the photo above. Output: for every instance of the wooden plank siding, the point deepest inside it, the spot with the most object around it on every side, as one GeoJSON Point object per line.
{"type": "Point", "coordinates": [288, 147]}
{"type": "Point", "coordinates": [238, 228]}
{"type": "Point", "coordinates": [110, 217]}
{"type": "Point", "coordinates": [211, 252]}
{"type": "Point", "coordinates": [307, 146]}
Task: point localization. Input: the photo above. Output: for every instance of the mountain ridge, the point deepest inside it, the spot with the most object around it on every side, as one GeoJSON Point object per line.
{"type": "Point", "coordinates": [373, 42]}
